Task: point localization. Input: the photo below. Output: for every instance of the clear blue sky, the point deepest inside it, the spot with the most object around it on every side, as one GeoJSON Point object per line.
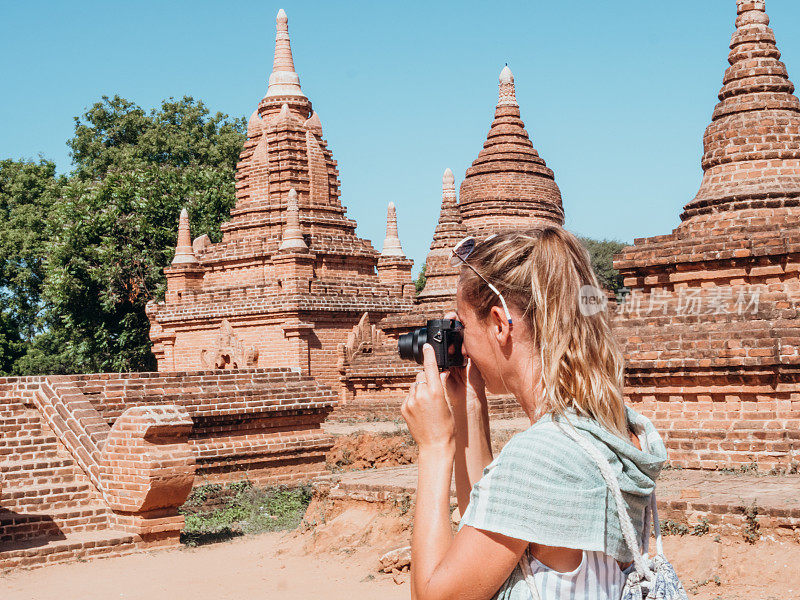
{"type": "Point", "coordinates": [615, 95]}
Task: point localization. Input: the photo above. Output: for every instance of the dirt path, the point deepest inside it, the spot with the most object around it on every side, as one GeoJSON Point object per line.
{"type": "Point", "coordinates": [277, 566]}
{"type": "Point", "coordinates": [242, 569]}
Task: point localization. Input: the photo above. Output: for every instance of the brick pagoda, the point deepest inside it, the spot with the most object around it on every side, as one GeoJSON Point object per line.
{"type": "Point", "coordinates": [290, 278]}
{"type": "Point", "coordinates": [507, 186]}
{"type": "Point", "coordinates": [711, 329]}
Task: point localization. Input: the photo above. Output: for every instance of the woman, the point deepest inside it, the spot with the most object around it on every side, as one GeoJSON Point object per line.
{"type": "Point", "coordinates": [543, 499]}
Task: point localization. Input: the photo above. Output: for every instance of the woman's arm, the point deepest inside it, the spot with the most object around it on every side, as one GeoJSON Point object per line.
{"type": "Point", "coordinates": [475, 563]}
{"type": "Point", "coordinates": [474, 567]}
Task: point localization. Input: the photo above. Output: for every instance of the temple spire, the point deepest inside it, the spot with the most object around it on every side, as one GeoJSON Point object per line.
{"type": "Point", "coordinates": [184, 254]}
{"type": "Point", "coordinates": [752, 146]}
{"type": "Point", "coordinates": [508, 96]}
{"type": "Point", "coordinates": [508, 185]}
{"type": "Point", "coordinates": [450, 229]}
{"type": "Point", "coordinates": [292, 234]}
{"type": "Point", "coordinates": [391, 244]}
{"type": "Point", "coordinates": [283, 81]}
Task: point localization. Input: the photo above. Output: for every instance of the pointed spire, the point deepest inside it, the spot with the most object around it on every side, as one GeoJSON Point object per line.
{"type": "Point", "coordinates": [391, 244]}
{"type": "Point", "coordinates": [292, 234]}
{"type": "Point", "coordinates": [441, 276]}
{"type": "Point", "coordinates": [448, 186]}
{"type": "Point", "coordinates": [254, 125]}
{"type": "Point", "coordinates": [283, 81]}
{"type": "Point", "coordinates": [752, 145]}
{"type": "Point", "coordinates": [284, 117]}
{"type": "Point", "coordinates": [450, 229]}
{"type": "Point", "coordinates": [183, 252]}
{"type": "Point", "coordinates": [509, 185]}
{"type": "Point", "coordinates": [508, 95]}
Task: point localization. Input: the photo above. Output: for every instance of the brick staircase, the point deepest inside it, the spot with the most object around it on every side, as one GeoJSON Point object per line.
{"type": "Point", "coordinates": [49, 510]}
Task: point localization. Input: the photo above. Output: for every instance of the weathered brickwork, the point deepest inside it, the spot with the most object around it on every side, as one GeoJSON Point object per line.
{"type": "Point", "coordinates": [74, 487]}
{"type": "Point", "coordinates": [264, 424]}
{"type": "Point", "coordinates": [290, 278]}
{"type": "Point", "coordinates": [105, 460]}
{"type": "Point", "coordinates": [508, 186]}
{"type": "Point", "coordinates": [711, 329]}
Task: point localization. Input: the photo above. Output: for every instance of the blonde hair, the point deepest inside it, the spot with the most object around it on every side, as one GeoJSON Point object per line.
{"type": "Point", "coordinates": [541, 273]}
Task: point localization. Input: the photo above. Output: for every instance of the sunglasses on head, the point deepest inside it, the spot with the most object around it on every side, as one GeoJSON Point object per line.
{"type": "Point", "coordinates": [459, 255]}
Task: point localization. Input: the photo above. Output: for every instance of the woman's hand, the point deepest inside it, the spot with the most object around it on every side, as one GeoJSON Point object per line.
{"type": "Point", "coordinates": [425, 410]}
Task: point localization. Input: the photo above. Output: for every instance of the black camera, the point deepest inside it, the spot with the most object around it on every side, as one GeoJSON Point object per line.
{"type": "Point", "coordinates": [443, 334]}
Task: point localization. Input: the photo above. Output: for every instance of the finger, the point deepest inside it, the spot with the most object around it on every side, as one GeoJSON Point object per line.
{"type": "Point", "coordinates": [431, 369]}
{"type": "Point", "coordinates": [451, 315]}
{"type": "Point", "coordinates": [421, 377]}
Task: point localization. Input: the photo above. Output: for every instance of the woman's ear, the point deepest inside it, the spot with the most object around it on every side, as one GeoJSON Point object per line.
{"type": "Point", "coordinates": [501, 328]}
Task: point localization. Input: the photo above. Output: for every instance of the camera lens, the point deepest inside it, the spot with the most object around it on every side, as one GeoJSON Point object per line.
{"type": "Point", "coordinates": [409, 345]}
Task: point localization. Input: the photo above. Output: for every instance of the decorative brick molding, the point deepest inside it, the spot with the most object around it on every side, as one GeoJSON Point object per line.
{"type": "Point", "coordinates": [148, 470]}
{"type": "Point", "coordinates": [228, 351]}
{"type": "Point", "coordinates": [140, 464]}
{"type": "Point", "coordinates": [99, 463]}
{"type": "Point", "coordinates": [264, 424]}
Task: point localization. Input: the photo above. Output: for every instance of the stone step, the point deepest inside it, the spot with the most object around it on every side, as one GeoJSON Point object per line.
{"type": "Point", "coordinates": [15, 527]}
{"type": "Point", "coordinates": [47, 497]}
{"type": "Point", "coordinates": [89, 544]}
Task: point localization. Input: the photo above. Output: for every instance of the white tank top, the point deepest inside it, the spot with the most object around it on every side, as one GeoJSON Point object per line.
{"type": "Point", "coordinates": [597, 577]}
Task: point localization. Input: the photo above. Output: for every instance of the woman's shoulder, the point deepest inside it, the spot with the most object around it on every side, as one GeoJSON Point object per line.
{"type": "Point", "coordinates": [546, 434]}
{"type": "Point", "coordinates": [541, 487]}
{"type": "Point", "coordinates": [544, 449]}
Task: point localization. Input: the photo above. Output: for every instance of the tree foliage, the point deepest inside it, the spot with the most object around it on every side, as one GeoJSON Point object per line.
{"type": "Point", "coordinates": [28, 189]}
{"type": "Point", "coordinates": [112, 227]}
{"type": "Point", "coordinates": [602, 254]}
{"type": "Point", "coordinates": [419, 282]}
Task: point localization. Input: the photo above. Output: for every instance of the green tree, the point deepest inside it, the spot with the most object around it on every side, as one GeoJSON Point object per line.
{"type": "Point", "coordinates": [419, 282]}
{"type": "Point", "coordinates": [602, 254]}
{"type": "Point", "coordinates": [28, 190]}
{"type": "Point", "coordinates": [114, 228]}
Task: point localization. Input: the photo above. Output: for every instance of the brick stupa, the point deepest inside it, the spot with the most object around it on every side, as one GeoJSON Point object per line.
{"type": "Point", "coordinates": [508, 186]}
{"type": "Point", "coordinates": [290, 277]}
{"type": "Point", "coordinates": [711, 329]}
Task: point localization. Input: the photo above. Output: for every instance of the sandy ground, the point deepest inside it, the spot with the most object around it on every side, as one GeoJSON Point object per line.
{"type": "Point", "coordinates": [242, 569]}
{"type": "Point", "coordinates": [327, 565]}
